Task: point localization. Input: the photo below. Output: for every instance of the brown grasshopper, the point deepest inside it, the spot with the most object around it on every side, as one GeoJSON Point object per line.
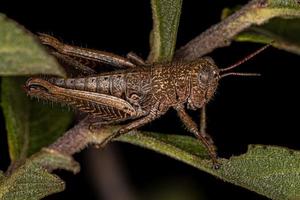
{"type": "Point", "coordinates": [138, 91]}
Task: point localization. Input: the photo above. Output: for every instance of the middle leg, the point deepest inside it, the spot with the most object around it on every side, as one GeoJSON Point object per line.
{"type": "Point", "coordinates": [154, 113]}
{"type": "Point", "coordinates": [139, 122]}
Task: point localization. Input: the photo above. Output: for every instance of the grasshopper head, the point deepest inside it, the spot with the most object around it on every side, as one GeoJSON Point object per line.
{"type": "Point", "coordinates": [208, 78]}
{"type": "Point", "coordinates": [204, 82]}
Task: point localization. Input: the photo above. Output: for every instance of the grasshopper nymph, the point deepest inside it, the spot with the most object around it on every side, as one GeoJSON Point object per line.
{"type": "Point", "coordinates": [137, 92]}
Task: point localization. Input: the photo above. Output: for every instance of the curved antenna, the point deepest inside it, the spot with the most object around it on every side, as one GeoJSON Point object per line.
{"type": "Point", "coordinates": [239, 74]}
{"type": "Point", "coordinates": [245, 59]}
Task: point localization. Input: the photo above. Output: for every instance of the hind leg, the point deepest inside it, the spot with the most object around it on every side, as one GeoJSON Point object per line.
{"type": "Point", "coordinates": [84, 55]}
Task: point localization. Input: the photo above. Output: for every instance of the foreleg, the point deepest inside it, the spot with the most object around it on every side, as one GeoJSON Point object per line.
{"type": "Point", "coordinates": [140, 122]}
{"type": "Point", "coordinates": [202, 136]}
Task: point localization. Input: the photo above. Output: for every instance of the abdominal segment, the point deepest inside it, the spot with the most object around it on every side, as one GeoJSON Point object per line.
{"type": "Point", "coordinates": [121, 85]}
{"type": "Point", "coordinates": [114, 85]}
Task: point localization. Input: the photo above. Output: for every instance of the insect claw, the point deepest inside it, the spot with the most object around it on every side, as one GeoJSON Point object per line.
{"type": "Point", "coordinates": [216, 165]}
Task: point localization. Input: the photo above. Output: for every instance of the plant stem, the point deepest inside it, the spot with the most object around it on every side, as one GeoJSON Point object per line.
{"type": "Point", "coordinates": [78, 137]}
{"type": "Point", "coordinates": [219, 35]}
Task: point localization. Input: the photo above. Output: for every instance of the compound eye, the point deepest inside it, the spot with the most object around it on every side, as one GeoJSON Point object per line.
{"type": "Point", "coordinates": [216, 74]}
{"type": "Point", "coordinates": [204, 77]}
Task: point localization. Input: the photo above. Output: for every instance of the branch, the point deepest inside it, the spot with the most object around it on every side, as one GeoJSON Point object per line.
{"type": "Point", "coordinates": [58, 155]}
{"type": "Point", "coordinates": [78, 137]}
{"type": "Point", "coordinates": [220, 35]}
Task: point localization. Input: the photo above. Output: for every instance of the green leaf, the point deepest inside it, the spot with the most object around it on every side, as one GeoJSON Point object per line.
{"type": "Point", "coordinates": [47, 123]}
{"type": "Point", "coordinates": [270, 171]}
{"type": "Point", "coordinates": [166, 16]}
{"type": "Point", "coordinates": [30, 125]}
{"type": "Point", "coordinates": [167, 144]}
{"type": "Point", "coordinates": [31, 182]}
{"type": "Point", "coordinates": [16, 111]}
{"type": "Point", "coordinates": [22, 54]}
{"type": "Point", "coordinates": [267, 170]}
{"type": "Point", "coordinates": [282, 33]}
{"type": "Point", "coordinates": [183, 148]}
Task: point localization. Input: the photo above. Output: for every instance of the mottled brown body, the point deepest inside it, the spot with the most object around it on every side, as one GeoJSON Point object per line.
{"type": "Point", "coordinates": [138, 91]}
{"type": "Point", "coordinates": [170, 84]}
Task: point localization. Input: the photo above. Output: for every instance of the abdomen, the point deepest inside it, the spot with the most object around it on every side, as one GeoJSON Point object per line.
{"type": "Point", "coordinates": [121, 84]}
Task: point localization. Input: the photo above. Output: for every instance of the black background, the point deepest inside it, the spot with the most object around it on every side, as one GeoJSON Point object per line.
{"type": "Point", "coordinates": [244, 111]}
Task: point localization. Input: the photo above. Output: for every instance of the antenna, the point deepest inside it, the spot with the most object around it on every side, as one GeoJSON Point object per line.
{"type": "Point", "coordinates": [245, 59]}
{"type": "Point", "coordinates": [239, 74]}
